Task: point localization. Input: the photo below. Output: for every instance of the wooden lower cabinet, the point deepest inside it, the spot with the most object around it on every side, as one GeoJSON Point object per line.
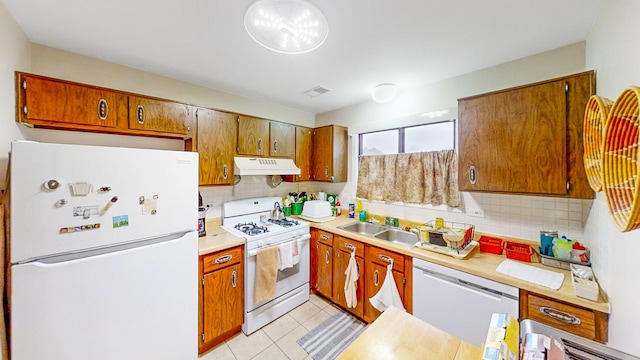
{"type": "Point", "coordinates": [329, 259]}
{"type": "Point", "coordinates": [580, 321]}
{"type": "Point", "coordinates": [376, 261]}
{"type": "Point", "coordinates": [322, 257]}
{"type": "Point", "coordinates": [342, 255]}
{"type": "Point", "coordinates": [221, 300]}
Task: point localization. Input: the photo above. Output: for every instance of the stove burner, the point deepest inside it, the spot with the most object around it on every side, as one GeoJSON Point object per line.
{"type": "Point", "coordinates": [251, 228]}
{"type": "Point", "coordinates": [284, 222]}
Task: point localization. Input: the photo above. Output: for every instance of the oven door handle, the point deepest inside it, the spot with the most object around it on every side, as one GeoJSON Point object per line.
{"type": "Point", "coordinates": [302, 238]}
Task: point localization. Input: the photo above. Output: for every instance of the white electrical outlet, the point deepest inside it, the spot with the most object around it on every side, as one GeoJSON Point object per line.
{"type": "Point", "coordinates": [476, 212]}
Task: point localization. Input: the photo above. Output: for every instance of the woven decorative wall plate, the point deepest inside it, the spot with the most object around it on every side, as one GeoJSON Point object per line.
{"type": "Point", "coordinates": [621, 161]}
{"type": "Point", "coordinates": [596, 115]}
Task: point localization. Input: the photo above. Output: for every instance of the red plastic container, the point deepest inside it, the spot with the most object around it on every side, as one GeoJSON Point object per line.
{"type": "Point", "coordinates": [518, 251]}
{"type": "Point", "coordinates": [491, 244]}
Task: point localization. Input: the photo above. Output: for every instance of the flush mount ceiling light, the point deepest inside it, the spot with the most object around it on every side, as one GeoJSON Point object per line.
{"type": "Point", "coordinates": [286, 26]}
{"type": "Point", "coordinates": [384, 93]}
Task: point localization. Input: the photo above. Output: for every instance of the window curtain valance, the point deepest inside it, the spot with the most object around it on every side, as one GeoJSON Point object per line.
{"type": "Point", "coordinates": [419, 178]}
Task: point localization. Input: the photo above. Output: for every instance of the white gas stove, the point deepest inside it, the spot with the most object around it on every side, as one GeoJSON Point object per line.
{"type": "Point", "coordinates": [251, 219]}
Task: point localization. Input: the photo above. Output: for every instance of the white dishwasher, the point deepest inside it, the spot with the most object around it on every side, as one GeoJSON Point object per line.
{"type": "Point", "coordinates": [459, 303]}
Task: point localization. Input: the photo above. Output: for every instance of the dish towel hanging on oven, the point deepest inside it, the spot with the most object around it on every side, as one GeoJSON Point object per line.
{"type": "Point", "coordinates": [266, 274]}
{"type": "Point", "coordinates": [351, 282]}
{"type": "Point", "coordinates": [388, 294]}
{"type": "Point", "coordinates": [285, 260]}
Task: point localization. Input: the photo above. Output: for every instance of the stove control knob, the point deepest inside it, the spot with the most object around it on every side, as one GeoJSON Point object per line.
{"type": "Point", "coordinates": [269, 241]}
{"type": "Point", "coordinates": [259, 243]}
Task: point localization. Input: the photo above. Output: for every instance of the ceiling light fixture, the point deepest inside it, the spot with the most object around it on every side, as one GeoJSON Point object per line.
{"type": "Point", "coordinates": [384, 93]}
{"type": "Point", "coordinates": [286, 26]}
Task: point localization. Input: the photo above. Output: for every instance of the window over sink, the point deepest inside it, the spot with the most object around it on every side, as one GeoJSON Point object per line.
{"type": "Point", "coordinates": [419, 138]}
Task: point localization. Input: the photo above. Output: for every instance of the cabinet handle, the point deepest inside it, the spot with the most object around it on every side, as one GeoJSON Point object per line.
{"type": "Point", "coordinates": [560, 315]}
{"type": "Point", "coordinates": [385, 258]}
{"type": "Point", "coordinates": [225, 171]}
{"type": "Point", "coordinates": [275, 145]}
{"type": "Point", "coordinates": [324, 237]}
{"type": "Point", "coordinates": [234, 276]}
{"type": "Point", "coordinates": [140, 114]}
{"type": "Point", "coordinates": [260, 145]}
{"type": "Point", "coordinates": [376, 278]}
{"type": "Point", "coordinates": [223, 259]}
{"type": "Point", "coordinates": [103, 109]}
{"type": "Point", "coordinates": [326, 256]}
{"type": "Point", "coordinates": [473, 176]}
{"type": "Point", "coordinates": [326, 171]}
{"type": "Point", "coordinates": [350, 247]}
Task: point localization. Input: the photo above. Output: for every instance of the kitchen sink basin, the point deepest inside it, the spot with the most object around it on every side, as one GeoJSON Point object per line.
{"type": "Point", "coordinates": [363, 228]}
{"type": "Point", "coordinates": [399, 237]}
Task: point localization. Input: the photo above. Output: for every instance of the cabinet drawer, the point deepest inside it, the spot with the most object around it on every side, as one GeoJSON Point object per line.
{"type": "Point", "coordinates": [380, 256]}
{"type": "Point", "coordinates": [348, 245]}
{"type": "Point", "coordinates": [221, 259]}
{"type": "Point", "coordinates": [325, 237]}
{"type": "Point", "coordinates": [575, 320]}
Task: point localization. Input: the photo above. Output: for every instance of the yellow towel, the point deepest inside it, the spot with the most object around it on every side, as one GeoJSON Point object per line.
{"type": "Point", "coordinates": [266, 274]}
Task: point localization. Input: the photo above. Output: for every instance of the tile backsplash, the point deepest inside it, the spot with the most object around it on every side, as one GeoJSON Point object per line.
{"type": "Point", "coordinates": [508, 215]}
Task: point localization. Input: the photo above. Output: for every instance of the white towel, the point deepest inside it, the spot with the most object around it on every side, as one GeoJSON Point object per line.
{"type": "Point", "coordinates": [388, 294]}
{"type": "Point", "coordinates": [285, 260]}
{"type": "Point", "coordinates": [296, 252]}
{"type": "Point", "coordinates": [351, 282]}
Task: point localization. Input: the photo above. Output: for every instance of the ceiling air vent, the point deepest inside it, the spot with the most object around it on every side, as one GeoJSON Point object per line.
{"type": "Point", "coordinates": [317, 91]}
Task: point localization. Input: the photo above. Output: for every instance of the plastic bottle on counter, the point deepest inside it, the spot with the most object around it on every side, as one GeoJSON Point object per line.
{"type": "Point", "coordinates": [352, 210]}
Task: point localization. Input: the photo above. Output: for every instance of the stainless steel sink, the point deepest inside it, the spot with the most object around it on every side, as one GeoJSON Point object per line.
{"type": "Point", "coordinates": [363, 228]}
{"type": "Point", "coordinates": [398, 237]}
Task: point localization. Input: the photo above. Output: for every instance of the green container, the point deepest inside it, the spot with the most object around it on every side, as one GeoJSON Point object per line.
{"type": "Point", "coordinates": [287, 211]}
{"type": "Point", "coordinates": [296, 208]}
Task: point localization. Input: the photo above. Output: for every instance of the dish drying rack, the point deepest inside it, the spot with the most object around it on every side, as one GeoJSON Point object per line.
{"type": "Point", "coordinates": [436, 242]}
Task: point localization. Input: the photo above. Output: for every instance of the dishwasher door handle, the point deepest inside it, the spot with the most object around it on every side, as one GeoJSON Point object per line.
{"type": "Point", "coordinates": [465, 285]}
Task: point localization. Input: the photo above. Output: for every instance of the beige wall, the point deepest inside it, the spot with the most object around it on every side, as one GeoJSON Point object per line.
{"type": "Point", "coordinates": [370, 116]}
{"type": "Point", "coordinates": [614, 50]}
{"type": "Point", "coordinates": [14, 55]}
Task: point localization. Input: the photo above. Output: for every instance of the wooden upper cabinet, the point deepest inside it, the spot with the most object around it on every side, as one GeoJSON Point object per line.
{"type": "Point", "coordinates": [216, 136]}
{"type": "Point", "coordinates": [330, 153]}
{"type": "Point", "coordinates": [253, 136]}
{"type": "Point", "coordinates": [58, 104]}
{"type": "Point", "coordinates": [282, 138]}
{"type": "Point", "coordinates": [61, 104]}
{"type": "Point", "coordinates": [159, 115]}
{"type": "Point", "coordinates": [303, 154]}
{"type": "Point", "coordinates": [526, 140]}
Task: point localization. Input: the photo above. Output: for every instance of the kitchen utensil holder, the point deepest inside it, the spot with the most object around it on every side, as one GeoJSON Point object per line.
{"type": "Point", "coordinates": [491, 244]}
{"type": "Point", "coordinates": [518, 251]}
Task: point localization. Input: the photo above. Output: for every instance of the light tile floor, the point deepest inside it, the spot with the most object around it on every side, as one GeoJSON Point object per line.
{"type": "Point", "coordinates": [276, 341]}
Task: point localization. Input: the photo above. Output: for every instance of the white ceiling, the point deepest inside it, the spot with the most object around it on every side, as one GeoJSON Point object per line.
{"type": "Point", "coordinates": [408, 42]}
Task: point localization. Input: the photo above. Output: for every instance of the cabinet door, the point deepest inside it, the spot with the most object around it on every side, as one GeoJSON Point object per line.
{"type": "Point", "coordinates": [341, 262]}
{"type": "Point", "coordinates": [330, 153]}
{"type": "Point", "coordinates": [253, 136]}
{"type": "Point", "coordinates": [282, 139]}
{"type": "Point", "coordinates": [58, 102]}
{"type": "Point", "coordinates": [304, 151]}
{"type": "Point", "coordinates": [223, 301]}
{"type": "Point", "coordinates": [375, 275]}
{"type": "Point", "coordinates": [216, 146]}
{"type": "Point", "coordinates": [159, 115]}
{"type": "Point", "coordinates": [324, 281]}
{"type": "Point", "coordinates": [515, 141]}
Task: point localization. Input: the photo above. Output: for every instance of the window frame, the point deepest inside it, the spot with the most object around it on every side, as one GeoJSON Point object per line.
{"type": "Point", "coordinates": [401, 134]}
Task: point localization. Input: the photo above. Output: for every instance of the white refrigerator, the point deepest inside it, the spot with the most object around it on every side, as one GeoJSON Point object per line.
{"type": "Point", "coordinates": [103, 253]}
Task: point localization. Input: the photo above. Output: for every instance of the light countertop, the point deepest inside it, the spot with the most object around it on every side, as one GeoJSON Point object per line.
{"type": "Point", "coordinates": [217, 238]}
{"type": "Point", "coordinates": [399, 335]}
{"type": "Point", "coordinates": [478, 263]}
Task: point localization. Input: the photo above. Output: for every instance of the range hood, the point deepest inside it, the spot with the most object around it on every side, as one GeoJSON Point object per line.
{"type": "Point", "coordinates": [265, 166]}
